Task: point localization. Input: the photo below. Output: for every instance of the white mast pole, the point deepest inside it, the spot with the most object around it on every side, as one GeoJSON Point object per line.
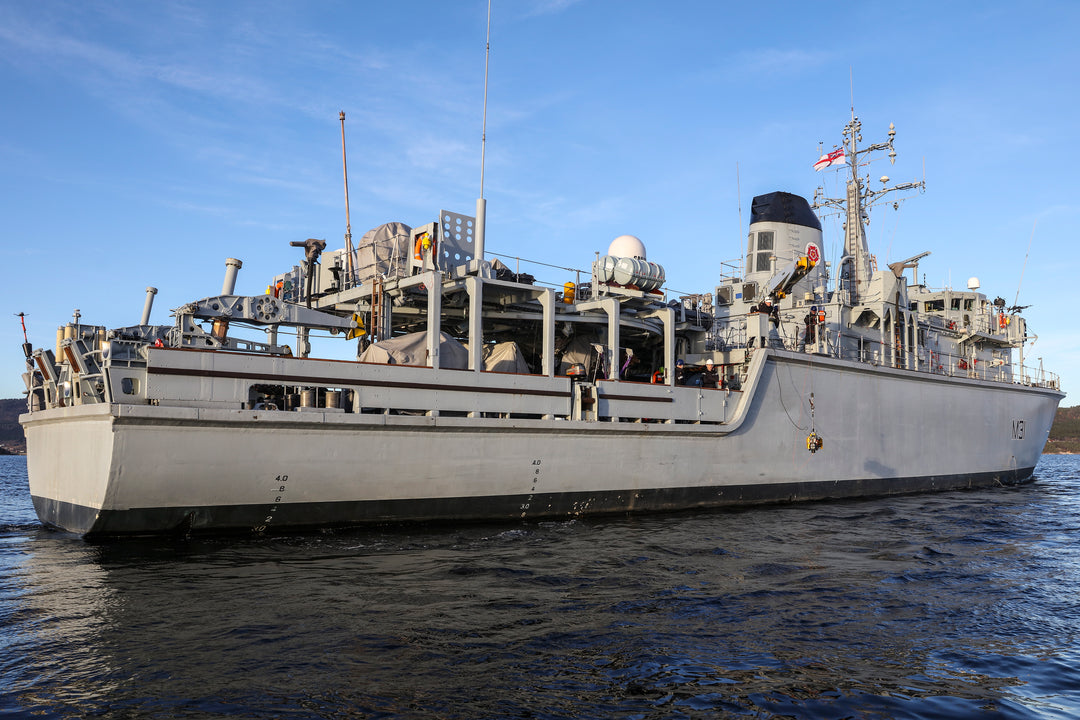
{"type": "Point", "coordinates": [349, 270]}
{"type": "Point", "coordinates": [481, 203]}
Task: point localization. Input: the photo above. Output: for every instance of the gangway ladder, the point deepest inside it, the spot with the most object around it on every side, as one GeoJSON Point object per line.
{"type": "Point", "coordinates": [377, 321]}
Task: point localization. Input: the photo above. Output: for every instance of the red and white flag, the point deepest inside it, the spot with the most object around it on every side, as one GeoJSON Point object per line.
{"type": "Point", "coordinates": [834, 158]}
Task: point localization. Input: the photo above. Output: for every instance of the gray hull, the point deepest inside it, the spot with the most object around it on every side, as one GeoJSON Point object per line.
{"type": "Point", "coordinates": [115, 469]}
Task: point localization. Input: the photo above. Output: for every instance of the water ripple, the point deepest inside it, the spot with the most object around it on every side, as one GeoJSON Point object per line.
{"type": "Point", "coordinates": [948, 605]}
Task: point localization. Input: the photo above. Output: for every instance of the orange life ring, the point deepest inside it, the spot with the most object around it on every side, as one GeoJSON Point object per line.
{"type": "Point", "coordinates": [1003, 320]}
{"type": "Point", "coordinates": [658, 377]}
{"type": "Point", "coordinates": [821, 316]}
{"type": "Point", "coordinates": [418, 248]}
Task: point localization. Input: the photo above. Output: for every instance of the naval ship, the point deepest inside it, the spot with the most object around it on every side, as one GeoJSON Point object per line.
{"type": "Point", "coordinates": [479, 394]}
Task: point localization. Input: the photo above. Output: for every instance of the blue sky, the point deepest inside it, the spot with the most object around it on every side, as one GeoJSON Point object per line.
{"type": "Point", "coordinates": [143, 143]}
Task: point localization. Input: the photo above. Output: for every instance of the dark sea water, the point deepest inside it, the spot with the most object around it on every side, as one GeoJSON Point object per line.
{"type": "Point", "coordinates": [948, 605]}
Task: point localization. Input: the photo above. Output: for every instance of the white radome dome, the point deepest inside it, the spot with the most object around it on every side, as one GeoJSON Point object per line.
{"type": "Point", "coordinates": [627, 246]}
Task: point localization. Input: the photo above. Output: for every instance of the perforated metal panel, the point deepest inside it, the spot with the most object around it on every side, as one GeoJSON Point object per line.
{"type": "Point", "coordinates": [457, 238]}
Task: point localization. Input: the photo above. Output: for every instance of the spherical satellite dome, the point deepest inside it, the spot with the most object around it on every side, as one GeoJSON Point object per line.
{"type": "Point", "coordinates": [627, 246]}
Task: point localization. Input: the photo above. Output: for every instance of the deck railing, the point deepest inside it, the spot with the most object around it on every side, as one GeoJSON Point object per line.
{"type": "Point", "coordinates": [733, 335]}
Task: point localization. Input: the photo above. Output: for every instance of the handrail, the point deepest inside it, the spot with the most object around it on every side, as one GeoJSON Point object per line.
{"type": "Point", "coordinates": [872, 353]}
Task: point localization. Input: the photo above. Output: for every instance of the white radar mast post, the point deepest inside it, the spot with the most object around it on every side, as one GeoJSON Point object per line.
{"type": "Point", "coordinates": [481, 203]}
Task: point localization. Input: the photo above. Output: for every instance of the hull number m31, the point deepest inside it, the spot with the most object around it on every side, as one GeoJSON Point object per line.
{"type": "Point", "coordinates": [1018, 429]}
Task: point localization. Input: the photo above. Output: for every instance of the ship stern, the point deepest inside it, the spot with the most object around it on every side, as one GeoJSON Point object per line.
{"type": "Point", "coordinates": [69, 464]}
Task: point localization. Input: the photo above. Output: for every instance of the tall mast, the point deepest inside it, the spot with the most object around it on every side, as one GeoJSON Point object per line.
{"type": "Point", "coordinates": [854, 206]}
{"type": "Point", "coordinates": [349, 270]}
{"type": "Point", "coordinates": [481, 203]}
{"type": "Point", "coordinates": [854, 234]}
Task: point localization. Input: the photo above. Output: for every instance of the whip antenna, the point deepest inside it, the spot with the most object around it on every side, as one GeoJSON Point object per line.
{"type": "Point", "coordinates": [738, 192]}
{"type": "Point", "coordinates": [481, 203]}
{"type": "Point", "coordinates": [851, 80]}
{"type": "Point", "coordinates": [1016, 300]}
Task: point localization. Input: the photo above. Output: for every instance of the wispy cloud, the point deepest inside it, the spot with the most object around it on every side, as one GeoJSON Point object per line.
{"type": "Point", "coordinates": [769, 61]}
{"type": "Point", "coordinates": [54, 48]}
{"type": "Point", "coordinates": [548, 7]}
{"type": "Point", "coordinates": [107, 71]}
{"type": "Point", "coordinates": [231, 68]}
{"type": "Point", "coordinates": [439, 154]}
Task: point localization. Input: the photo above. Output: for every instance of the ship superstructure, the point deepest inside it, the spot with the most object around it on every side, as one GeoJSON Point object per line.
{"type": "Point", "coordinates": [478, 393]}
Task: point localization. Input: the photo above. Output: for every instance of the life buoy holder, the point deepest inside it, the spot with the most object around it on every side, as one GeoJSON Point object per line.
{"type": "Point", "coordinates": [418, 248]}
{"type": "Point", "coordinates": [821, 316]}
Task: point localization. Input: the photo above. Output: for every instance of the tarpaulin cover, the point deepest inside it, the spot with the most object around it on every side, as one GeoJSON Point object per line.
{"type": "Point", "coordinates": [383, 251]}
{"type": "Point", "coordinates": [505, 357]}
{"type": "Point", "coordinates": [578, 350]}
{"type": "Point", "coordinates": [411, 349]}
